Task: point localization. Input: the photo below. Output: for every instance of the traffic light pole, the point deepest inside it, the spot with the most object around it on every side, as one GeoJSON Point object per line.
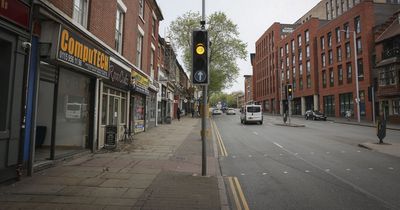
{"type": "Point", "coordinates": [205, 109]}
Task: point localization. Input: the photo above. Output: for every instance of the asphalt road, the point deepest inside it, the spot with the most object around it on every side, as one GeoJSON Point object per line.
{"type": "Point", "coordinates": [318, 166]}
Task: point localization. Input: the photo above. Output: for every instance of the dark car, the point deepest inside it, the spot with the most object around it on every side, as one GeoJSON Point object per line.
{"type": "Point", "coordinates": [315, 115]}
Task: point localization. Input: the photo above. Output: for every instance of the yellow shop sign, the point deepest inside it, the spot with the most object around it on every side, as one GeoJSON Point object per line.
{"type": "Point", "coordinates": [77, 51]}
{"type": "Point", "coordinates": [140, 80]}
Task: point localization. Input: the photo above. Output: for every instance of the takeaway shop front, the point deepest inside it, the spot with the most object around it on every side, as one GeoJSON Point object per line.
{"type": "Point", "coordinates": [138, 103]}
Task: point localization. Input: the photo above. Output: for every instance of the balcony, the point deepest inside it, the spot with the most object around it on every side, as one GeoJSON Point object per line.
{"type": "Point", "coordinates": [395, 52]}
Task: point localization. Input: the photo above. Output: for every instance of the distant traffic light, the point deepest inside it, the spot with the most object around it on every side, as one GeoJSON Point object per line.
{"type": "Point", "coordinates": [289, 92]}
{"type": "Point", "coordinates": [200, 57]}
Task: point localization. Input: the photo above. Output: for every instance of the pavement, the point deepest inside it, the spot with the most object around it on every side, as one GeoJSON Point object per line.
{"type": "Point", "coordinates": [160, 169]}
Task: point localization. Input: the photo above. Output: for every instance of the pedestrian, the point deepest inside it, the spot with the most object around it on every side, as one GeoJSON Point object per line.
{"type": "Point", "coordinates": [178, 114]}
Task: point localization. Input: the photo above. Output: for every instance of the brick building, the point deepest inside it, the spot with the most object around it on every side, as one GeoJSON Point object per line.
{"type": "Point", "coordinates": [248, 87]}
{"type": "Point", "coordinates": [387, 68]}
{"type": "Point", "coordinates": [317, 57]}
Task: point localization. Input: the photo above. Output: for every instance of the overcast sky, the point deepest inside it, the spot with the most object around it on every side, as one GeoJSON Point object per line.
{"type": "Point", "coordinates": [253, 17]}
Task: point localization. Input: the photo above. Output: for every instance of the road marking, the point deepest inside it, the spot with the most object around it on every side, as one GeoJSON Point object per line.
{"type": "Point", "coordinates": [264, 174]}
{"type": "Point", "coordinates": [241, 195]}
{"type": "Point", "coordinates": [358, 151]}
{"type": "Point", "coordinates": [327, 170]}
{"type": "Point", "coordinates": [278, 145]}
{"type": "Point", "coordinates": [307, 171]}
{"type": "Point", "coordinates": [370, 168]}
{"type": "Point", "coordinates": [255, 133]}
{"type": "Point", "coordinates": [285, 172]}
{"type": "Point", "coordinates": [219, 139]}
{"type": "Point", "coordinates": [250, 156]}
{"type": "Point", "coordinates": [348, 169]}
{"type": "Point", "coordinates": [235, 196]}
{"type": "Point", "coordinates": [391, 168]}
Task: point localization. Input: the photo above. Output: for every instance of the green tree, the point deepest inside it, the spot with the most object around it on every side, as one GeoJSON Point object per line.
{"type": "Point", "coordinates": [225, 49]}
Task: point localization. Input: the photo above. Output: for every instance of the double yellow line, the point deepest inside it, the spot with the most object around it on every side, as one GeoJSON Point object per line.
{"type": "Point", "coordinates": [221, 145]}
{"type": "Point", "coordinates": [237, 193]}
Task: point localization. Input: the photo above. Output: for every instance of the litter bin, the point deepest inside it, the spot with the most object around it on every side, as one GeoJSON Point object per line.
{"type": "Point", "coordinates": [168, 120]}
{"type": "Point", "coordinates": [110, 141]}
{"type": "Point", "coordinates": [40, 135]}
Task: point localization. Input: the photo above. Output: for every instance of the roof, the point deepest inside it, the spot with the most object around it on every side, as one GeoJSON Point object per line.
{"type": "Point", "coordinates": [391, 31]}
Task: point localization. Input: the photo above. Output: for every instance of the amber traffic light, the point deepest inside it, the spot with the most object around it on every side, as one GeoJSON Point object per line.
{"type": "Point", "coordinates": [200, 57]}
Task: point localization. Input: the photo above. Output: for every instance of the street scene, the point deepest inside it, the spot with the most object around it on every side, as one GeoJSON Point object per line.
{"type": "Point", "coordinates": [171, 104]}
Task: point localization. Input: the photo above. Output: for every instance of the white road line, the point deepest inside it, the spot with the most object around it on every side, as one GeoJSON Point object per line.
{"type": "Point", "coordinates": [242, 174]}
{"type": "Point", "coordinates": [264, 174]}
{"type": "Point", "coordinates": [370, 168]}
{"type": "Point", "coordinates": [255, 133]}
{"type": "Point", "coordinates": [278, 145]}
{"type": "Point", "coordinates": [391, 168]}
{"type": "Point", "coordinates": [285, 172]}
{"type": "Point", "coordinates": [327, 170]}
{"type": "Point", "coordinates": [307, 171]}
{"type": "Point", "coordinates": [348, 169]}
{"type": "Point", "coordinates": [250, 156]}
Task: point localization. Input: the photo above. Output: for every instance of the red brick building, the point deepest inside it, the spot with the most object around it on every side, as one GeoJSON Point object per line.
{"type": "Point", "coordinates": [248, 87]}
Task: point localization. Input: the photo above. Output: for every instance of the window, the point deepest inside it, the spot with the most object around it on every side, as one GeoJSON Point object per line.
{"type": "Point", "coordinates": [301, 83]}
{"type": "Point", "coordinates": [300, 55]}
{"type": "Point", "coordinates": [359, 46]}
{"type": "Point", "coordinates": [324, 79]}
{"type": "Point", "coordinates": [340, 74]}
{"type": "Point", "coordinates": [339, 54]}
{"type": "Point", "coordinates": [346, 28]}
{"type": "Point", "coordinates": [292, 44]}
{"type": "Point", "coordinates": [287, 62]}
{"type": "Point", "coordinates": [153, 27]}
{"type": "Point", "coordinates": [322, 43]}
{"type": "Point", "coordinates": [396, 106]}
{"type": "Point", "coordinates": [338, 36]}
{"type": "Point", "coordinates": [80, 12]}
{"type": "Point", "coordinates": [293, 60]}
{"type": "Point", "coordinates": [299, 40]}
{"type": "Point", "coordinates": [329, 39]}
{"type": "Point", "coordinates": [286, 49]}
{"type": "Point", "coordinates": [307, 34]}
{"type": "Point", "coordinates": [6, 70]}
{"type": "Point", "coordinates": [141, 8]}
{"type": "Point", "coordinates": [346, 103]}
{"type": "Point", "coordinates": [308, 51]}
{"type": "Point", "coordinates": [323, 59]}
{"type": "Point", "coordinates": [331, 78]}
{"type": "Point", "coordinates": [281, 52]}
{"type": "Point", "coordinates": [357, 24]}
{"type": "Point", "coordinates": [360, 69]}
{"type": "Point", "coordinates": [348, 52]}
{"type": "Point", "coordinates": [152, 63]}
{"type": "Point", "coordinates": [308, 67]}
{"type": "Point", "coordinates": [327, 10]}
{"type": "Point", "coordinates": [287, 74]}
{"type": "Point", "coordinates": [118, 30]}
{"type": "Point", "coordinates": [301, 70]}
{"type": "Point", "coordinates": [308, 81]}
{"type": "Point", "coordinates": [139, 49]}
{"type": "Point", "coordinates": [294, 72]}
{"type": "Point", "coordinates": [329, 105]}
{"type": "Point", "coordinates": [330, 57]}
{"type": "Point", "coordinates": [349, 72]}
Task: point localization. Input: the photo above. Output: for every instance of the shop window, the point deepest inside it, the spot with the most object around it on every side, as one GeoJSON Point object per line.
{"type": "Point", "coordinates": [396, 106]}
{"type": "Point", "coordinates": [5, 60]}
{"type": "Point", "coordinates": [329, 105]}
{"type": "Point", "coordinates": [346, 103]}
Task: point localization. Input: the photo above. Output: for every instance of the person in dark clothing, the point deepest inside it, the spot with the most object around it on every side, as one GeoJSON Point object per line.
{"type": "Point", "coordinates": [178, 114]}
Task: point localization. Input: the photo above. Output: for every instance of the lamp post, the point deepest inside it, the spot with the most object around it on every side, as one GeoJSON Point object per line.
{"type": "Point", "coordinates": [356, 72]}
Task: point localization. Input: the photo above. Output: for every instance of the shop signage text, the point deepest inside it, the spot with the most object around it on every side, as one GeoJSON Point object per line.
{"type": "Point", "coordinates": [140, 80]}
{"type": "Point", "coordinates": [15, 11]}
{"type": "Point", "coordinates": [118, 76]}
{"type": "Point", "coordinates": [79, 52]}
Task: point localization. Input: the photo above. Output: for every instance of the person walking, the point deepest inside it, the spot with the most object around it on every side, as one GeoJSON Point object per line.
{"type": "Point", "coordinates": [178, 114]}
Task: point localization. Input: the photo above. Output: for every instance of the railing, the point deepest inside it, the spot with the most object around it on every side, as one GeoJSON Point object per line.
{"type": "Point", "coordinates": [391, 53]}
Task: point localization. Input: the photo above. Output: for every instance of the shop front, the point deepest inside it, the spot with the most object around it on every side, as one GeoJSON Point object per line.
{"type": "Point", "coordinates": [14, 57]}
{"type": "Point", "coordinates": [114, 101]}
{"type": "Point", "coordinates": [138, 108]}
{"type": "Point", "coordinates": [66, 99]}
{"type": "Point", "coordinates": [152, 105]}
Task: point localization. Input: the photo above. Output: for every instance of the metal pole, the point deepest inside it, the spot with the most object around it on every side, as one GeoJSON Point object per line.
{"type": "Point", "coordinates": [356, 69]}
{"type": "Point", "coordinates": [205, 111]}
{"type": "Point", "coordinates": [373, 103]}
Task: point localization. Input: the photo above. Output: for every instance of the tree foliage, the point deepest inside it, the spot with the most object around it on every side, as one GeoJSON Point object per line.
{"type": "Point", "coordinates": [225, 49]}
{"type": "Point", "coordinates": [230, 99]}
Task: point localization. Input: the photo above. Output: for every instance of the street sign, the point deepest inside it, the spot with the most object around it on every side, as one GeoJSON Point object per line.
{"type": "Point", "coordinates": [200, 76]}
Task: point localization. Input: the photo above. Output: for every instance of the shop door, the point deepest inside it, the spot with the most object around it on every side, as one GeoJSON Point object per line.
{"type": "Point", "coordinates": [116, 116]}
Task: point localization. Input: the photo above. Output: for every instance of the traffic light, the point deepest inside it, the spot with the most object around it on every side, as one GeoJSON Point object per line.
{"type": "Point", "coordinates": [200, 57]}
{"type": "Point", "coordinates": [289, 92]}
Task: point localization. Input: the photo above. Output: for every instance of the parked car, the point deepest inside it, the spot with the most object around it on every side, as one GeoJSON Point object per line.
{"type": "Point", "coordinates": [315, 115]}
{"type": "Point", "coordinates": [251, 113]}
{"type": "Point", "coordinates": [216, 112]}
{"type": "Point", "coordinates": [230, 111]}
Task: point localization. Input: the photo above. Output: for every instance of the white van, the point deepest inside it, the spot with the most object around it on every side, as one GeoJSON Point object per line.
{"type": "Point", "coordinates": [251, 113]}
